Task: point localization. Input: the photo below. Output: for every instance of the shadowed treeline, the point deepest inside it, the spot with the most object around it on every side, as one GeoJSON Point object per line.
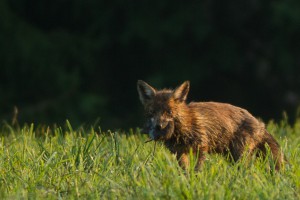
{"type": "Point", "coordinates": [80, 60]}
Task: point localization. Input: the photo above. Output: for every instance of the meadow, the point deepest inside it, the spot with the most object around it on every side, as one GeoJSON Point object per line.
{"type": "Point", "coordinates": [40, 162]}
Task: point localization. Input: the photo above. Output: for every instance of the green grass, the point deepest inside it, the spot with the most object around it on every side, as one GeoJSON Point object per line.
{"type": "Point", "coordinates": [62, 163]}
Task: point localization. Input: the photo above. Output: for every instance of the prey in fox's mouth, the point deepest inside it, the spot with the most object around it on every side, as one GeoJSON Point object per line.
{"type": "Point", "coordinates": [160, 131]}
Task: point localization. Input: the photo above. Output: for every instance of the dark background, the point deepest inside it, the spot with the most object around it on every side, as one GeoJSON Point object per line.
{"type": "Point", "coordinates": [80, 59]}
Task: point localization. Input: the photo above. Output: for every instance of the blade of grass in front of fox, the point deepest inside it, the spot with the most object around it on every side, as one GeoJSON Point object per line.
{"type": "Point", "coordinates": [149, 155]}
{"type": "Point", "coordinates": [147, 159]}
{"type": "Point", "coordinates": [149, 140]}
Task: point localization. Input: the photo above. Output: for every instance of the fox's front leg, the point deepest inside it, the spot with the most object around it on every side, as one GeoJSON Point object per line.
{"type": "Point", "coordinates": [200, 155]}
{"type": "Point", "coordinates": [201, 158]}
{"type": "Point", "coordinates": [183, 160]}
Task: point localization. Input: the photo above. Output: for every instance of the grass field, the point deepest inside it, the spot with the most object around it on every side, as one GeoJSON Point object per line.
{"type": "Point", "coordinates": [62, 163]}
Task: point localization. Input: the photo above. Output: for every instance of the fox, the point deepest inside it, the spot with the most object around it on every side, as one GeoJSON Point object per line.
{"type": "Point", "coordinates": [203, 127]}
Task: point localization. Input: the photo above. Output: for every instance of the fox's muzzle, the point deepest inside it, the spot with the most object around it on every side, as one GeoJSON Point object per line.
{"type": "Point", "coordinates": [159, 131]}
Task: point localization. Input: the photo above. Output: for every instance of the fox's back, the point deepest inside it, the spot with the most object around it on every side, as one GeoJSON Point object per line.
{"type": "Point", "coordinates": [222, 122]}
{"type": "Point", "coordinates": [220, 111]}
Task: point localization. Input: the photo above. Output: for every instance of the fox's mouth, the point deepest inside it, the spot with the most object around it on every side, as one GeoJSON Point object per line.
{"type": "Point", "coordinates": [161, 134]}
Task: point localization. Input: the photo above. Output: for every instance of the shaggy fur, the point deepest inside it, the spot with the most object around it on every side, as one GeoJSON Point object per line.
{"type": "Point", "coordinates": [204, 127]}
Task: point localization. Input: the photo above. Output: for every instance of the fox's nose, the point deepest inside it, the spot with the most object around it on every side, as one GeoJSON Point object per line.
{"type": "Point", "coordinates": [160, 126]}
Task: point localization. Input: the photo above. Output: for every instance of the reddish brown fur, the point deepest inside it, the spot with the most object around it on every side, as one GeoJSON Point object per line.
{"type": "Point", "coordinates": [204, 127]}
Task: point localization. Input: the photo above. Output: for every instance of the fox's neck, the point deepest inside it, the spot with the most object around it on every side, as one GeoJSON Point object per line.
{"type": "Point", "coordinates": [184, 122]}
{"type": "Point", "coordinates": [185, 129]}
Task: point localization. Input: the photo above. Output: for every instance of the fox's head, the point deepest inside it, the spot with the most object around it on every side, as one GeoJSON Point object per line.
{"type": "Point", "coordinates": [162, 108]}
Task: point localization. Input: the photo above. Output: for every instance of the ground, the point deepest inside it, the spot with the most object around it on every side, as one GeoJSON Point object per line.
{"type": "Point", "coordinates": [58, 162]}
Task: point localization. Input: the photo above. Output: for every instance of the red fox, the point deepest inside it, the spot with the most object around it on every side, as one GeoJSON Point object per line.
{"type": "Point", "coordinates": [203, 127]}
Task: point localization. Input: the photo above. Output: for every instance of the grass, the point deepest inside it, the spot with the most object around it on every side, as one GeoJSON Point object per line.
{"type": "Point", "coordinates": [62, 163]}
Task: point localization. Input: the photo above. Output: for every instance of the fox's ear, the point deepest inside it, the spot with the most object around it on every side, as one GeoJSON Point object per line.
{"type": "Point", "coordinates": [146, 92]}
{"type": "Point", "coordinates": [182, 91]}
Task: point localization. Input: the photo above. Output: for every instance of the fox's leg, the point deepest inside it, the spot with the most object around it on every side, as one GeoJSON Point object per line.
{"type": "Point", "coordinates": [236, 151]}
{"type": "Point", "coordinates": [201, 157]}
{"type": "Point", "coordinates": [183, 160]}
{"type": "Point", "coordinates": [274, 148]}
{"type": "Point", "coordinates": [243, 144]}
{"type": "Point", "coordinates": [239, 149]}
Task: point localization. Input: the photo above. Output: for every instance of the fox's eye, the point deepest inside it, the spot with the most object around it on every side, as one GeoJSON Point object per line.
{"type": "Point", "coordinates": [150, 113]}
{"type": "Point", "coordinates": [169, 112]}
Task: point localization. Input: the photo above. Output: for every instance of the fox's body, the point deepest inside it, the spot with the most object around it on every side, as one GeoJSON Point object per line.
{"type": "Point", "coordinates": [204, 127]}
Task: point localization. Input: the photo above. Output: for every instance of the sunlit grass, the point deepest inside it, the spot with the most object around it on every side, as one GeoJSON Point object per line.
{"type": "Point", "coordinates": [54, 163]}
